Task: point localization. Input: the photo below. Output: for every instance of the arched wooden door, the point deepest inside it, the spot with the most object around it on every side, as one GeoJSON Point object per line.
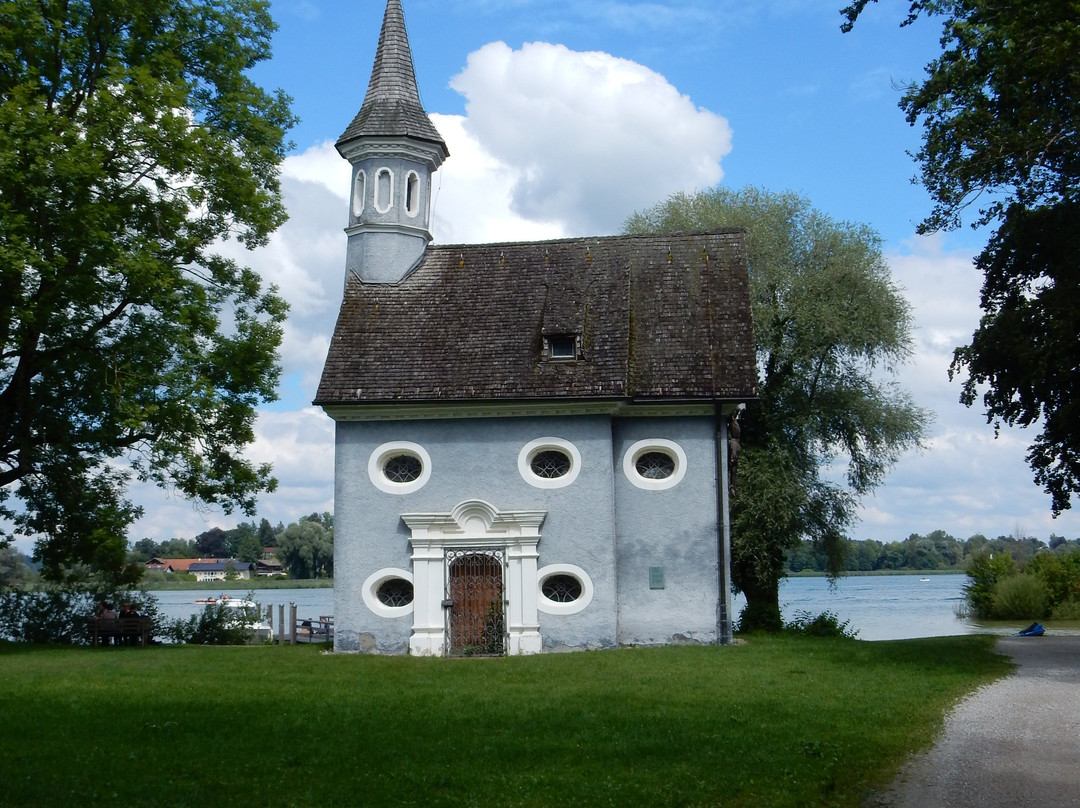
{"type": "Point", "coordinates": [476, 606]}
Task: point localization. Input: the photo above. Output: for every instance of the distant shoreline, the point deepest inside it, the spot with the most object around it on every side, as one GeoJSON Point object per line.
{"type": "Point", "coordinates": [866, 573]}
{"type": "Point", "coordinates": [242, 585]}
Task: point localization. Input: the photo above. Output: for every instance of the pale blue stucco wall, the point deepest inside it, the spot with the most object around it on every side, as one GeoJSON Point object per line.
{"type": "Point", "coordinates": [674, 530]}
{"type": "Point", "coordinates": [586, 523]}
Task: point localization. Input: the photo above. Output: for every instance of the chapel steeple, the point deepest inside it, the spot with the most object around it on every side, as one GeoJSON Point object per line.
{"type": "Point", "coordinates": [394, 148]}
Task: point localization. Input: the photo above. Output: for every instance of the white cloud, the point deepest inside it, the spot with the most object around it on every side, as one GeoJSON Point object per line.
{"type": "Point", "coordinates": [591, 137]}
{"type": "Point", "coordinates": [966, 481]}
{"type": "Point", "coordinates": [473, 194]}
{"type": "Point", "coordinates": [299, 444]}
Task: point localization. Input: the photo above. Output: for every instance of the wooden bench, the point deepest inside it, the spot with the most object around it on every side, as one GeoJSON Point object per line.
{"type": "Point", "coordinates": [121, 630]}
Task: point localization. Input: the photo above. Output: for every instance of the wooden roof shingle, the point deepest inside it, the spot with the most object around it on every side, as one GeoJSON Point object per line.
{"type": "Point", "coordinates": [392, 105]}
{"type": "Point", "coordinates": [663, 317]}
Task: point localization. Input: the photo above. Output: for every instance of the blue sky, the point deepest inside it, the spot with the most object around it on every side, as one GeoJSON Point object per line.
{"type": "Point", "coordinates": [562, 118]}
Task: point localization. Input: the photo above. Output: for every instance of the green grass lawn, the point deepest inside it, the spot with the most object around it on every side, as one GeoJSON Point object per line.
{"type": "Point", "coordinates": [777, 721]}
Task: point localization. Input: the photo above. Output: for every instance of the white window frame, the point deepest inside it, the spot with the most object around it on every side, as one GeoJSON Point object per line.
{"type": "Point", "coordinates": [377, 465]}
{"type": "Point", "coordinates": [370, 592]}
{"type": "Point", "coordinates": [534, 447]}
{"type": "Point", "coordinates": [359, 192]}
{"type": "Point", "coordinates": [543, 604]}
{"type": "Point", "coordinates": [378, 185]}
{"type": "Point", "coordinates": [668, 447]}
{"type": "Point", "coordinates": [412, 189]}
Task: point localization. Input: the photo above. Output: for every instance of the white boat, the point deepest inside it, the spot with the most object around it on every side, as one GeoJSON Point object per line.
{"type": "Point", "coordinates": [249, 612]}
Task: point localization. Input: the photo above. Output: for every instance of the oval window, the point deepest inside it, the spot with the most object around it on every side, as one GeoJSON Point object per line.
{"type": "Point", "coordinates": [399, 467]}
{"type": "Point", "coordinates": [395, 592]}
{"type": "Point", "coordinates": [403, 468]}
{"type": "Point", "coordinates": [561, 588]}
{"type": "Point", "coordinates": [389, 592]}
{"type": "Point", "coordinates": [655, 465]}
{"type": "Point", "coordinates": [549, 463]}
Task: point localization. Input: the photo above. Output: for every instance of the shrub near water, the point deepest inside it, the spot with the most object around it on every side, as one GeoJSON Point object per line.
{"type": "Point", "coordinates": [985, 571]}
{"type": "Point", "coordinates": [58, 615]}
{"type": "Point", "coordinates": [1021, 597]}
{"type": "Point", "coordinates": [1047, 585]}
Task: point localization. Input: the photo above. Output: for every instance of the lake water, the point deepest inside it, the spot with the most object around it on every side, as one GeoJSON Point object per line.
{"type": "Point", "coordinates": [880, 607]}
{"type": "Point", "coordinates": [310, 603]}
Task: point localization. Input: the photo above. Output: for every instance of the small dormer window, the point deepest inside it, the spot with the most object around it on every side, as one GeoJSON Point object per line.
{"type": "Point", "coordinates": [562, 346]}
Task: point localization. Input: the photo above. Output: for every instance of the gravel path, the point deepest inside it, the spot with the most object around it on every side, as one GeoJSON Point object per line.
{"type": "Point", "coordinates": [1014, 743]}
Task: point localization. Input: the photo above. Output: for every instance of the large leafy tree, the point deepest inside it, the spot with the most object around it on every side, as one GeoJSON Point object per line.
{"type": "Point", "coordinates": [1000, 111]}
{"type": "Point", "coordinates": [306, 548]}
{"type": "Point", "coordinates": [831, 328]}
{"type": "Point", "coordinates": [132, 141]}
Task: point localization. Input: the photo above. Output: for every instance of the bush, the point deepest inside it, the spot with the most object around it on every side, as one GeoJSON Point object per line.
{"type": "Point", "coordinates": [1020, 597]}
{"type": "Point", "coordinates": [1060, 576]}
{"type": "Point", "coordinates": [1069, 610]}
{"type": "Point", "coordinates": [217, 624]}
{"type": "Point", "coordinates": [58, 615]}
{"type": "Point", "coordinates": [984, 573]}
{"type": "Point", "coordinates": [760, 617]}
{"type": "Point", "coordinates": [825, 624]}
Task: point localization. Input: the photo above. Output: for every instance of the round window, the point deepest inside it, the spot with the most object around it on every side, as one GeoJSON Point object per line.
{"type": "Point", "coordinates": [395, 592]}
{"type": "Point", "coordinates": [655, 465]}
{"type": "Point", "coordinates": [399, 467]}
{"type": "Point", "coordinates": [561, 588]}
{"type": "Point", "coordinates": [389, 592]}
{"type": "Point", "coordinates": [403, 468]}
{"type": "Point", "coordinates": [550, 464]}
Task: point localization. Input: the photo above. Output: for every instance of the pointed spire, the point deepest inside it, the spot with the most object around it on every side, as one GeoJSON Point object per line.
{"type": "Point", "coordinates": [392, 105]}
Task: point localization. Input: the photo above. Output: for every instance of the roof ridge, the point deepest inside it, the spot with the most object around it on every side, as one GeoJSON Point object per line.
{"type": "Point", "coordinates": [718, 231]}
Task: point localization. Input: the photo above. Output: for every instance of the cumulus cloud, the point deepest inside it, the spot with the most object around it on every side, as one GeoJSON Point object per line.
{"type": "Point", "coordinates": [472, 190]}
{"type": "Point", "coordinates": [967, 480]}
{"type": "Point", "coordinates": [591, 137]}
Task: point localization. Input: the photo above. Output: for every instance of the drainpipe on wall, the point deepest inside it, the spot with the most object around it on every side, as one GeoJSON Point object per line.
{"type": "Point", "coordinates": [724, 631]}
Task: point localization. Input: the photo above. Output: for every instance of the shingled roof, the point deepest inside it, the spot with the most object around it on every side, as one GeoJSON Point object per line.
{"type": "Point", "coordinates": [662, 317]}
{"type": "Point", "coordinates": [392, 105]}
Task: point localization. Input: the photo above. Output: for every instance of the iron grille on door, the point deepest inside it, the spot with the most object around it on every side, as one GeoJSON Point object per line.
{"type": "Point", "coordinates": [476, 620]}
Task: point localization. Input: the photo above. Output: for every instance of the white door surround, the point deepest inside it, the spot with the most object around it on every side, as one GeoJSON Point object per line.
{"type": "Point", "coordinates": [474, 524]}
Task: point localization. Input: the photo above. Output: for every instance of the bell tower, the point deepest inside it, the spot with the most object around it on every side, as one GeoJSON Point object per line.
{"type": "Point", "coordinates": [394, 149]}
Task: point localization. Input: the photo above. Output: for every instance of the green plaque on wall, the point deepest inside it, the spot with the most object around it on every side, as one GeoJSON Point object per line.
{"type": "Point", "coordinates": [656, 577]}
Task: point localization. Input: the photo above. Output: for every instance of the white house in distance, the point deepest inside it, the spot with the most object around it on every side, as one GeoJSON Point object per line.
{"type": "Point", "coordinates": [531, 438]}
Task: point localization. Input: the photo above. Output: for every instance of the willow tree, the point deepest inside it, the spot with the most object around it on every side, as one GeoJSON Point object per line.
{"type": "Point", "coordinates": [831, 330]}
{"type": "Point", "coordinates": [132, 141]}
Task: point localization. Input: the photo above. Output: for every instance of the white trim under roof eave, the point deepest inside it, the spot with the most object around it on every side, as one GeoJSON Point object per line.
{"type": "Point", "coordinates": [416, 411]}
